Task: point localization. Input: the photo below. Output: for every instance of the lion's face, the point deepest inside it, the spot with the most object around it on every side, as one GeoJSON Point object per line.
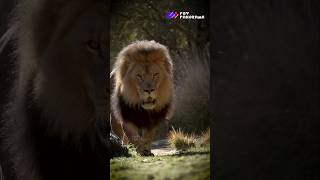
{"type": "Point", "coordinates": [144, 75]}
{"type": "Point", "coordinates": [147, 78]}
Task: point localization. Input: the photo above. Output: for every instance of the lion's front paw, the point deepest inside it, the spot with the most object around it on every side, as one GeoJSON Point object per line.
{"type": "Point", "coordinates": [146, 153]}
{"type": "Point", "coordinates": [143, 151]}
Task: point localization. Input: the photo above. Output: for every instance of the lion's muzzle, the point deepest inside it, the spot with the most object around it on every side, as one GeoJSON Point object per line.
{"type": "Point", "coordinates": [149, 103]}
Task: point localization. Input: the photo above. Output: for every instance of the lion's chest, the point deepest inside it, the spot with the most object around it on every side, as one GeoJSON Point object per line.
{"type": "Point", "coordinates": [141, 117]}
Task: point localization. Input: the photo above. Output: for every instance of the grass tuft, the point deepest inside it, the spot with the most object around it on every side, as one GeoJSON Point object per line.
{"type": "Point", "coordinates": [204, 139]}
{"type": "Point", "coordinates": [132, 150]}
{"type": "Point", "coordinates": [180, 140]}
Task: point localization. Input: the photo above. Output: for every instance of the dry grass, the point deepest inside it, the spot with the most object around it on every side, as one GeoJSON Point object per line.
{"type": "Point", "coordinates": [204, 139]}
{"type": "Point", "coordinates": [180, 140]}
{"type": "Point", "coordinates": [183, 141]}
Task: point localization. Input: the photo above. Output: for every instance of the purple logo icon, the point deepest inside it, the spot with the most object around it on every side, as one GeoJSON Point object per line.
{"type": "Point", "coordinates": [172, 15]}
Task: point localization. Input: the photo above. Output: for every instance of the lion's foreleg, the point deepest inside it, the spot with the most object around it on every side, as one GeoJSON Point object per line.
{"type": "Point", "coordinates": [147, 138]}
{"type": "Point", "coordinates": [134, 137]}
{"type": "Point", "coordinates": [132, 133]}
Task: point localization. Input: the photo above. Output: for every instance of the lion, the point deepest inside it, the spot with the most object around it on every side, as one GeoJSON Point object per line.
{"type": "Point", "coordinates": [143, 93]}
{"type": "Point", "coordinates": [55, 124]}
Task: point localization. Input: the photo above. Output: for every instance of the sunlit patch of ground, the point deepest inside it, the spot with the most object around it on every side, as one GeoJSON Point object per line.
{"type": "Point", "coordinates": [167, 164]}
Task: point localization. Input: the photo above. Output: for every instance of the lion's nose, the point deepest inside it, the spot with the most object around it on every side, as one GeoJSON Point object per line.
{"type": "Point", "coordinates": [149, 90]}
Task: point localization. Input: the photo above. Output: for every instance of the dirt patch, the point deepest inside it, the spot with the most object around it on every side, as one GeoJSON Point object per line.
{"type": "Point", "coordinates": [164, 151]}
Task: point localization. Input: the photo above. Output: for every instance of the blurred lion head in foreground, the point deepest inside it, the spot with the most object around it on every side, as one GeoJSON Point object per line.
{"type": "Point", "coordinates": [54, 125]}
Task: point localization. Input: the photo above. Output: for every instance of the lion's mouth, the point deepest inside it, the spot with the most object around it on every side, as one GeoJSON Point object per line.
{"type": "Point", "coordinates": [149, 103]}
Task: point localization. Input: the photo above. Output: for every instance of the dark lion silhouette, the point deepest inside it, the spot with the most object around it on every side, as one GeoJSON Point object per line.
{"type": "Point", "coordinates": [55, 125]}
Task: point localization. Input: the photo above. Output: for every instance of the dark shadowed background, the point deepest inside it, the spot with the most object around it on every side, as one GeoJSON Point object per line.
{"type": "Point", "coordinates": [6, 68]}
{"type": "Point", "coordinates": [265, 89]}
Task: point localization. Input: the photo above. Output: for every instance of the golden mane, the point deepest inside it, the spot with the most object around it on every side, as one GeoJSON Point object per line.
{"type": "Point", "coordinates": [142, 52]}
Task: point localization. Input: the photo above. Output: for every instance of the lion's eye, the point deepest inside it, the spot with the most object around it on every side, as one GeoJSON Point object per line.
{"type": "Point", "coordinates": [93, 45]}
